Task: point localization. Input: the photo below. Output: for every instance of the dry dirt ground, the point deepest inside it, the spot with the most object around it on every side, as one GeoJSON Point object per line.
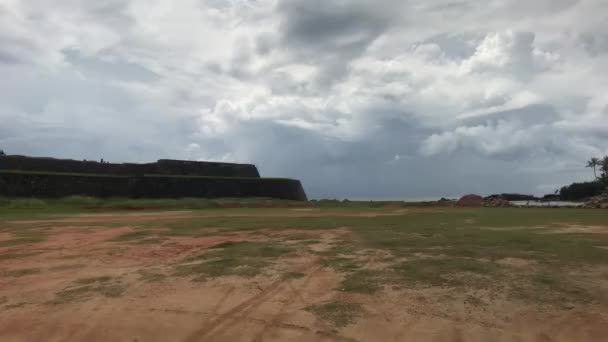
{"type": "Point", "coordinates": [81, 285]}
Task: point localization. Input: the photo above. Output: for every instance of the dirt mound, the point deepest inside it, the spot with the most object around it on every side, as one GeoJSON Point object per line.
{"type": "Point", "coordinates": [470, 201]}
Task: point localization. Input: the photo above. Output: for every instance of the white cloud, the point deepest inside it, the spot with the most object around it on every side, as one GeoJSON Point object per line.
{"type": "Point", "coordinates": [314, 89]}
{"type": "Point", "coordinates": [494, 139]}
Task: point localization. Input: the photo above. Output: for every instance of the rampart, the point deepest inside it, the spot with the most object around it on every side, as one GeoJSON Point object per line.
{"type": "Point", "coordinates": [161, 167]}
{"type": "Point", "coordinates": [47, 177]}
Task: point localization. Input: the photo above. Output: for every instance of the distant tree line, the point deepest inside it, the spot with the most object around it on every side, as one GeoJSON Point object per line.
{"type": "Point", "coordinates": [579, 191]}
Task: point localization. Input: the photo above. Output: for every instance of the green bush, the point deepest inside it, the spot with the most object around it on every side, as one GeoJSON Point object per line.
{"type": "Point", "coordinates": [4, 201]}
{"type": "Point", "coordinates": [580, 191]}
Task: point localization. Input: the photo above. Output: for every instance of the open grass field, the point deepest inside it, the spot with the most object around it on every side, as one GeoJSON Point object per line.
{"type": "Point", "coordinates": [349, 272]}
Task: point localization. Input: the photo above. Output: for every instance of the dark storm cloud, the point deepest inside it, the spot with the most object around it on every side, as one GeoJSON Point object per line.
{"type": "Point", "coordinates": [332, 33]}
{"type": "Point", "coordinates": [331, 24]}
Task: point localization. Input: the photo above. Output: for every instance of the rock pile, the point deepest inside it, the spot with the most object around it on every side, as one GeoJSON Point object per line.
{"type": "Point", "coordinates": [495, 202]}
{"type": "Point", "coordinates": [600, 201]}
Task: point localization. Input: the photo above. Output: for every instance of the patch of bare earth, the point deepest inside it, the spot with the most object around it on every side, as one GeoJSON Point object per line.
{"type": "Point", "coordinates": [4, 236]}
{"type": "Point", "coordinates": [515, 262]}
{"type": "Point", "coordinates": [183, 215]}
{"type": "Point", "coordinates": [559, 228]}
{"type": "Point", "coordinates": [233, 309]}
{"type": "Point", "coordinates": [571, 228]}
{"type": "Point", "coordinates": [414, 211]}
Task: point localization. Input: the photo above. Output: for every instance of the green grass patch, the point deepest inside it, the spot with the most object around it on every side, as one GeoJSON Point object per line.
{"type": "Point", "coordinates": [222, 267]}
{"type": "Point", "coordinates": [15, 273]}
{"type": "Point", "coordinates": [86, 288]}
{"type": "Point", "coordinates": [24, 237]}
{"type": "Point", "coordinates": [364, 281]}
{"type": "Point", "coordinates": [551, 287]}
{"type": "Point", "coordinates": [138, 235]}
{"type": "Point", "coordinates": [67, 267]}
{"type": "Point", "coordinates": [339, 314]}
{"type": "Point", "coordinates": [298, 237]}
{"type": "Point", "coordinates": [453, 272]}
{"type": "Point", "coordinates": [252, 249]}
{"type": "Point", "coordinates": [11, 256]}
{"type": "Point", "coordinates": [91, 280]}
{"type": "Point", "coordinates": [148, 241]}
{"type": "Point", "coordinates": [444, 271]}
{"type": "Point", "coordinates": [184, 228]}
{"type": "Point", "coordinates": [240, 258]}
{"type": "Point", "coordinates": [473, 301]}
{"type": "Point", "coordinates": [151, 276]}
{"type": "Point", "coordinates": [16, 305]}
{"type": "Point", "coordinates": [293, 275]}
{"type": "Point", "coordinates": [495, 234]}
{"type": "Point", "coordinates": [26, 203]}
{"type": "Point", "coordinates": [30, 208]}
{"type": "Point", "coordinates": [341, 264]}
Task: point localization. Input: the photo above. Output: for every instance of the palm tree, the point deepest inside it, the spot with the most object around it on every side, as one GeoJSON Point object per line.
{"type": "Point", "coordinates": [593, 162]}
{"type": "Point", "coordinates": [604, 168]}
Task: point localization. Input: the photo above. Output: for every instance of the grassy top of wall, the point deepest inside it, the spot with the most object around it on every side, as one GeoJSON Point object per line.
{"type": "Point", "coordinates": [42, 173]}
{"type": "Point", "coordinates": [163, 166]}
{"type": "Point", "coordinates": [21, 172]}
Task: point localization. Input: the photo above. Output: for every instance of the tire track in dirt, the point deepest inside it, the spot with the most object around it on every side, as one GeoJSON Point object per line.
{"type": "Point", "coordinates": [207, 329]}
{"type": "Point", "coordinates": [288, 326]}
{"type": "Point", "coordinates": [241, 311]}
{"type": "Point", "coordinates": [246, 311]}
{"type": "Point", "coordinates": [212, 329]}
{"type": "Point", "coordinates": [220, 302]}
{"type": "Point", "coordinates": [377, 300]}
{"type": "Point", "coordinates": [324, 324]}
{"type": "Point", "coordinates": [227, 320]}
{"type": "Point", "coordinates": [295, 294]}
{"type": "Point", "coordinates": [419, 320]}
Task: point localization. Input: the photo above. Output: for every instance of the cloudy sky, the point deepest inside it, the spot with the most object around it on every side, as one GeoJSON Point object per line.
{"type": "Point", "coordinates": [359, 99]}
